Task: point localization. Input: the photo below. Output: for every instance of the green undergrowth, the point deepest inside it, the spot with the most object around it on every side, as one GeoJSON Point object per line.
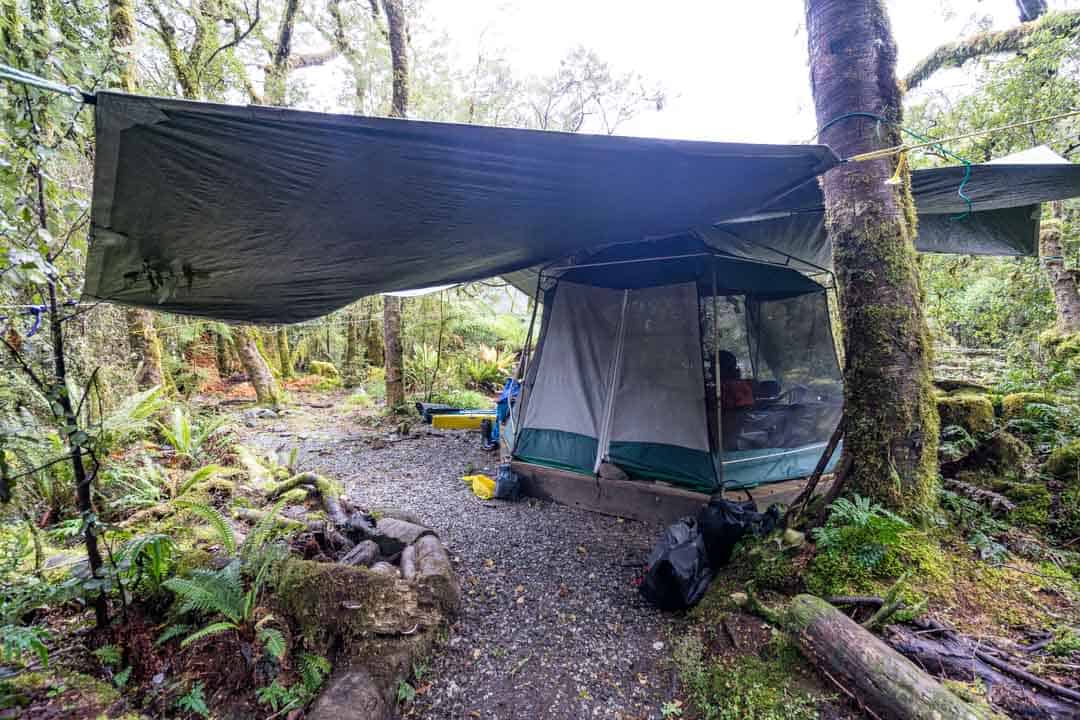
{"type": "Point", "coordinates": [747, 687]}
{"type": "Point", "coordinates": [863, 545]}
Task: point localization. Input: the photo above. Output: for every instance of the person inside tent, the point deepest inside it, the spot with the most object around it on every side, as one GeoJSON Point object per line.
{"type": "Point", "coordinates": [735, 394]}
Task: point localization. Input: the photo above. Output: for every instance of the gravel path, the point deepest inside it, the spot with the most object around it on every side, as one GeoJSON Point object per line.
{"type": "Point", "coordinates": [552, 626]}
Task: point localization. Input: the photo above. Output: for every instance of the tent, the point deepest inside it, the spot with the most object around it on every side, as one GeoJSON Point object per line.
{"type": "Point", "coordinates": [693, 367]}
{"type": "Point", "coordinates": [658, 261]}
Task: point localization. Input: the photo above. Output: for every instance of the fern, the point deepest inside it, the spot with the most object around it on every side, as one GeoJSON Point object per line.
{"type": "Point", "coordinates": [208, 631]}
{"type": "Point", "coordinates": [260, 534]}
{"type": "Point", "coordinates": [17, 641]}
{"type": "Point", "coordinates": [131, 418]}
{"type": "Point", "coordinates": [215, 519]}
{"type": "Point", "coordinates": [210, 591]}
{"type": "Point", "coordinates": [173, 631]}
{"type": "Point", "coordinates": [194, 701]}
{"type": "Point", "coordinates": [313, 671]}
{"type": "Point", "coordinates": [199, 476]}
{"type": "Point", "coordinates": [274, 642]}
{"type": "Point", "coordinates": [150, 556]}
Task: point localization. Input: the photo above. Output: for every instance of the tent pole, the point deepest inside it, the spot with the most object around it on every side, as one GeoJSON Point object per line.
{"type": "Point", "coordinates": [515, 415]}
{"type": "Point", "coordinates": [717, 455]}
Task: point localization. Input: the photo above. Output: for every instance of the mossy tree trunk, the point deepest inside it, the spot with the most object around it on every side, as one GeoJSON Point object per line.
{"type": "Point", "coordinates": [281, 337]}
{"type": "Point", "coordinates": [258, 371]}
{"type": "Point", "coordinates": [395, 373]}
{"type": "Point", "coordinates": [399, 60]}
{"type": "Point", "coordinates": [352, 363]}
{"type": "Point", "coordinates": [892, 424]}
{"type": "Point", "coordinates": [1063, 281]}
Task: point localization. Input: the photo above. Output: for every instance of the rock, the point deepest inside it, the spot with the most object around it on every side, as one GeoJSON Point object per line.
{"type": "Point", "coordinates": [408, 562]}
{"type": "Point", "coordinates": [973, 412]}
{"type": "Point", "coordinates": [397, 514]}
{"type": "Point", "coordinates": [364, 553]}
{"type": "Point", "coordinates": [353, 693]}
{"type": "Point", "coordinates": [435, 575]}
{"type": "Point", "coordinates": [259, 414]}
{"type": "Point", "coordinates": [384, 568]}
{"type": "Point", "coordinates": [1064, 462]}
{"type": "Point", "coordinates": [394, 535]}
{"type": "Point", "coordinates": [323, 369]}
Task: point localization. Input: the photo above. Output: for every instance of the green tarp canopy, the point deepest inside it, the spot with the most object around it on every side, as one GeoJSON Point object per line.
{"type": "Point", "coordinates": [271, 215]}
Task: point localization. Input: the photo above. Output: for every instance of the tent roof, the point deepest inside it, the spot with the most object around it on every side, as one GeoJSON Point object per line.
{"type": "Point", "coordinates": [271, 215]}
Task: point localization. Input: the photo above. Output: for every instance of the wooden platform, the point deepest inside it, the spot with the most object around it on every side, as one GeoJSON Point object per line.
{"type": "Point", "coordinates": [655, 502]}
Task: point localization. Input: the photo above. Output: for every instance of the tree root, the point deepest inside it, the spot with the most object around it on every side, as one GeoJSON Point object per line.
{"type": "Point", "coordinates": [320, 486]}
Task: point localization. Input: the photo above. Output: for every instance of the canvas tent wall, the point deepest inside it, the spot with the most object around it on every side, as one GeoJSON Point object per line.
{"type": "Point", "coordinates": [626, 369]}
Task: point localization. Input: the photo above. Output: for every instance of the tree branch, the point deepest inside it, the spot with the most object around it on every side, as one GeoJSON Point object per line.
{"type": "Point", "coordinates": [1020, 37]}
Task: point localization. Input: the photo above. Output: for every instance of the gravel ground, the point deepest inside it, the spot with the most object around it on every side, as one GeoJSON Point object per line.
{"type": "Point", "coordinates": [552, 626]}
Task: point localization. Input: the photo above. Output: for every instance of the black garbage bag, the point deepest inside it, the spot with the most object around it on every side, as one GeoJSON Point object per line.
{"type": "Point", "coordinates": [724, 522]}
{"type": "Point", "coordinates": [677, 573]}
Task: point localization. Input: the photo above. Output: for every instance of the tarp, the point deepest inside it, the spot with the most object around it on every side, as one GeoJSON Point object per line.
{"type": "Point", "coordinates": [273, 215]}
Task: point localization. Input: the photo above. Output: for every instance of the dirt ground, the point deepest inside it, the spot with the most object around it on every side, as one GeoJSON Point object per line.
{"type": "Point", "coordinates": [552, 625]}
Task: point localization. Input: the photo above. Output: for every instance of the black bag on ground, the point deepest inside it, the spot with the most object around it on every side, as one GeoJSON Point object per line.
{"type": "Point", "coordinates": [677, 573]}
{"type": "Point", "coordinates": [723, 523]}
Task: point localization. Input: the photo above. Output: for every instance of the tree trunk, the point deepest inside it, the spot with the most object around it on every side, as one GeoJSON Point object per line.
{"type": "Point", "coordinates": [399, 56]}
{"type": "Point", "coordinates": [258, 372]}
{"type": "Point", "coordinates": [869, 670]}
{"type": "Point", "coordinates": [1063, 281]}
{"type": "Point", "coordinates": [284, 353]}
{"type": "Point", "coordinates": [373, 344]}
{"type": "Point", "coordinates": [351, 364]}
{"type": "Point", "coordinates": [892, 423]}
{"type": "Point", "coordinates": [146, 346]}
{"type": "Point", "coordinates": [221, 346]}
{"type": "Point", "coordinates": [395, 374]}
{"type": "Point", "coordinates": [399, 60]}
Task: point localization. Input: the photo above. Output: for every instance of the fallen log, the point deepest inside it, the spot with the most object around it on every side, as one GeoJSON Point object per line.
{"type": "Point", "coordinates": [957, 657]}
{"type": "Point", "coordinates": [319, 486]}
{"type": "Point", "coordinates": [887, 684]}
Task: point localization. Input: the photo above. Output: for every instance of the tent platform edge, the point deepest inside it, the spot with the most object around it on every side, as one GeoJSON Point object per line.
{"type": "Point", "coordinates": [640, 500]}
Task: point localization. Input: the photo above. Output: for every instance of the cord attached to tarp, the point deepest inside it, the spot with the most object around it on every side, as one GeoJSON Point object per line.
{"type": "Point", "coordinates": [901, 164]}
{"type": "Point", "coordinates": [24, 78]}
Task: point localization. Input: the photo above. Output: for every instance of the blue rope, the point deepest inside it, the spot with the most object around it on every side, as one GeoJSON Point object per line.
{"type": "Point", "coordinates": [922, 138]}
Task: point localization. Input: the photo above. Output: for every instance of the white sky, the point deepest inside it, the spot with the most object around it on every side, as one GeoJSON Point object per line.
{"type": "Point", "coordinates": [734, 71]}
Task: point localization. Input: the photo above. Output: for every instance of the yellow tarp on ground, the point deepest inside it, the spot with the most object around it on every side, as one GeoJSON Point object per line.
{"type": "Point", "coordinates": [482, 486]}
{"type": "Point", "coordinates": [460, 421]}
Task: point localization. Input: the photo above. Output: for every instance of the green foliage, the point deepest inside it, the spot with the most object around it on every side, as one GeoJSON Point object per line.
{"type": "Point", "coordinates": [1064, 463]}
{"type": "Point", "coordinates": [131, 420]}
{"type": "Point", "coordinates": [148, 559]}
{"type": "Point", "coordinates": [406, 693]}
{"type": "Point", "coordinates": [188, 436]}
{"type": "Point", "coordinates": [978, 527]}
{"type": "Point", "coordinates": [109, 655]}
{"type": "Point", "coordinates": [277, 696]}
{"type": "Point", "coordinates": [194, 701]}
{"type": "Point", "coordinates": [862, 542]}
{"type": "Point", "coordinates": [18, 642]}
{"type": "Point", "coordinates": [468, 399]}
{"type": "Point", "coordinates": [748, 687]}
{"type": "Point", "coordinates": [213, 517]}
{"type": "Point", "coordinates": [1066, 642]}
{"type": "Point", "coordinates": [314, 669]}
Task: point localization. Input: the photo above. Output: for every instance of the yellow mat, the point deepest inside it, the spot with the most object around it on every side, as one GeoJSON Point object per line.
{"type": "Point", "coordinates": [462, 421]}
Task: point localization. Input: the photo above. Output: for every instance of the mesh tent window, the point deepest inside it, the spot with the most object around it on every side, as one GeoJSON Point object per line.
{"type": "Point", "coordinates": [625, 372]}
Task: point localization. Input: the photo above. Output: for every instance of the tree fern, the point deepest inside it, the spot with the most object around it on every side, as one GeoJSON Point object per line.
{"type": "Point", "coordinates": [208, 631]}
{"type": "Point", "coordinates": [215, 519]}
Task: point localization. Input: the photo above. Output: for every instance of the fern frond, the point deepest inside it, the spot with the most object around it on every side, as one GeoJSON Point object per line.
{"type": "Point", "coordinates": [210, 592]}
{"type": "Point", "coordinates": [199, 476]}
{"type": "Point", "coordinates": [274, 642]}
{"type": "Point", "coordinates": [173, 631]}
{"type": "Point", "coordinates": [208, 631]}
{"type": "Point", "coordinates": [260, 534]}
{"type": "Point", "coordinates": [313, 671]}
{"type": "Point", "coordinates": [213, 518]}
